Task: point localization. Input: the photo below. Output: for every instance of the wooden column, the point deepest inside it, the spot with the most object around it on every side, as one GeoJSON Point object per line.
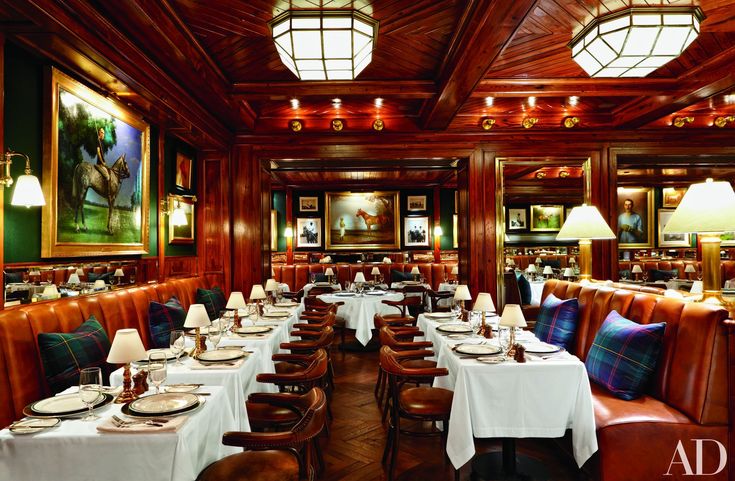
{"type": "Point", "coordinates": [437, 222]}
{"type": "Point", "coordinates": [213, 218]}
{"type": "Point", "coordinates": [289, 223]}
{"type": "Point", "coordinates": [2, 149]}
{"type": "Point", "coordinates": [162, 220]}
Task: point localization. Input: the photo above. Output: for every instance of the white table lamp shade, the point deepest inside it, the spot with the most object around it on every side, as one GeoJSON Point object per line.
{"type": "Point", "coordinates": [697, 287]}
{"type": "Point", "coordinates": [537, 261]}
{"type": "Point", "coordinates": [80, 272]}
{"type": "Point", "coordinates": [386, 260]}
{"type": "Point", "coordinates": [568, 272]}
{"type": "Point", "coordinates": [360, 277]}
{"type": "Point", "coordinates": [34, 272]}
{"type": "Point", "coordinates": [484, 303]}
{"type": "Point", "coordinates": [257, 292]}
{"type": "Point", "coordinates": [531, 269]}
{"type": "Point", "coordinates": [548, 270]}
{"type": "Point", "coordinates": [415, 271]}
{"type": "Point", "coordinates": [329, 272]}
{"type": "Point", "coordinates": [50, 291]}
{"type": "Point", "coordinates": [375, 271]}
{"type": "Point", "coordinates": [455, 271]}
{"type": "Point", "coordinates": [572, 260]}
{"type": "Point", "coordinates": [236, 301]}
{"type": "Point", "coordinates": [512, 316]}
{"type": "Point", "coordinates": [74, 278]}
{"type": "Point", "coordinates": [99, 284]}
{"type": "Point", "coordinates": [462, 293]}
{"type": "Point", "coordinates": [690, 268]}
{"type": "Point", "coordinates": [585, 222]}
{"type": "Point", "coordinates": [636, 269]}
{"type": "Point", "coordinates": [119, 273]}
{"type": "Point", "coordinates": [508, 261]}
{"type": "Point", "coordinates": [126, 347]}
{"type": "Point", "coordinates": [705, 207]}
{"type": "Point", "coordinates": [271, 285]}
{"type": "Point", "coordinates": [197, 316]}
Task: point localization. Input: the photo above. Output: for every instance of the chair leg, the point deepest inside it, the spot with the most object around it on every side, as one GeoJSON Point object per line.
{"type": "Point", "coordinates": [394, 453]}
{"type": "Point", "coordinates": [378, 382]}
{"type": "Point", "coordinates": [319, 454]}
{"type": "Point", "coordinates": [388, 400]}
{"type": "Point", "coordinates": [388, 445]}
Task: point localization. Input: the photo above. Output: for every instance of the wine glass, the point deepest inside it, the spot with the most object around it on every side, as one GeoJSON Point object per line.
{"type": "Point", "coordinates": [157, 368]}
{"type": "Point", "coordinates": [215, 331]}
{"type": "Point", "coordinates": [26, 277]}
{"type": "Point", "coordinates": [90, 387]}
{"type": "Point", "coordinates": [504, 338]}
{"type": "Point", "coordinates": [177, 344]}
{"type": "Point", "coordinates": [446, 277]}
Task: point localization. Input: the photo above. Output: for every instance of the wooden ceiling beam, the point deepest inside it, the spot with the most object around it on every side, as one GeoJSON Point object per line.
{"type": "Point", "coordinates": [405, 89]}
{"type": "Point", "coordinates": [563, 87]}
{"type": "Point", "coordinates": [484, 30]}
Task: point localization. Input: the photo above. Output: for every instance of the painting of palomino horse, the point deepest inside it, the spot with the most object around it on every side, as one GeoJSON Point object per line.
{"type": "Point", "coordinates": [364, 220]}
{"type": "Point", "coordinates": [96, 173]}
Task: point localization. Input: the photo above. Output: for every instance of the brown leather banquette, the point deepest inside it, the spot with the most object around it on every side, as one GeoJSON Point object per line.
{"type": "Point", "coordinates": [22, 378]}
{"type": "Point", "coordinates": [727, 267]}
{"type": "Point", "coordinates": [687, 400]}
{"type": "Point", "coordinates": [297, 275]}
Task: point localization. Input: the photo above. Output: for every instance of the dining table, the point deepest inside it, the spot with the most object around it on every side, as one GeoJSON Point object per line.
{"type": "Point", "coordinates": [497, 397]}
{"type": "Point", "coordinates": [359, 310]}
{"type": "Point", "coordinates": [75, 449]}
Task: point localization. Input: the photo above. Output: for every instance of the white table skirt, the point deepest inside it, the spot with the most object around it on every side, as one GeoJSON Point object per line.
{"type": "Point", "coordinates": [536, 399]}
{"type": "Point", "coordinates": [76, 450]}
{"type": "Point", "coordinates": [359, 311]}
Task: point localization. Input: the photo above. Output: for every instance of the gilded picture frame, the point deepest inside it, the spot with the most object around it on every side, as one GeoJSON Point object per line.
{"type": "Point", "coordinates": [362, 220]}
{"type": "Point", "coordinates": [416, 231]}
{"type": "Point", "coordinates": [83, 129]}
{"type": "Point", "coordinates": [639, 217]}
{"type": "Point", "coordinates": [546, 218]}
{"type": "Point", "coordinates": [182, 234]}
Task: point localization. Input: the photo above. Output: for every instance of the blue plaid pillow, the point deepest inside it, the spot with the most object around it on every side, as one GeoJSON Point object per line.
{"type": "Point", "coordinates": [557, 321]}
{"type": "Point", "coordinates": [164, 318]}
{"type": "Point", "coordinates": [213, 300]}
{"type": "Point", "coordinates": [65, 354]}
{"type": "Point", "coordinates": [623, 355]}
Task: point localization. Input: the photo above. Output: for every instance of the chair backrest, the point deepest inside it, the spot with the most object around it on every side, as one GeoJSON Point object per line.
{"type": "Point", "coordinates": [313, 421]}
{"type": "Point", "coordinates": [319, 290]}
{"type": "Point", "coordinates": [511, 291]}
{"type": "Point", "coordinates": [322, 342]}
{"type": "Point", "coordinates": [436, 296]}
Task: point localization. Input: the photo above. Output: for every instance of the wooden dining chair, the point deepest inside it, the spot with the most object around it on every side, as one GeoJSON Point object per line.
{"type": "Point", "coordinates": [404, 307]}
{"type": "Point", "coordinates": [294, 296]}
{"type": "Point", "coordinates": [436, 296]}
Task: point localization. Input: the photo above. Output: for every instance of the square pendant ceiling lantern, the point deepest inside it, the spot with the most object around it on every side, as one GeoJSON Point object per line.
{"type": "Point", "coordinates": [636, 41]}
{"type": "Point", "coordinates": [324, 44]}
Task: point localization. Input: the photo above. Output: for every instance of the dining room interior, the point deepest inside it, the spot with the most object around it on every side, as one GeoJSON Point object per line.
{"type": "Point", "coordinates": [357, 240]}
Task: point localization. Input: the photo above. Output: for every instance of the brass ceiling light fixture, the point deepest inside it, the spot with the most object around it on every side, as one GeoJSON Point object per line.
{"type": "Point", "coordinates": [680, 122]}
{"type": "Point", "coordinates": [571, 122]}
{"type": "Point", "coordinates": [378, 125]}
{"type": "Point", "coordinates": [529, 122]}
{"type": "Point", "coordinates": [563, 174]}
{"type": "Point", "coordinates": [723, 121]}
{"type": "Point", "coordinates": [540, 174]}
{"type": "Point", "coordinates": [338, 125]}
{"type": "Point", "coordinates": [295, 125]}
{"type": "Point", "coordinates": [487, 123]}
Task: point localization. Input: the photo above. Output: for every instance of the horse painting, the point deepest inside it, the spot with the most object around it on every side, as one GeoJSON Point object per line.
{"type": "Point", "coordinates": [87, 175]}
{"type": "Point", "coordinates": [379, 220]}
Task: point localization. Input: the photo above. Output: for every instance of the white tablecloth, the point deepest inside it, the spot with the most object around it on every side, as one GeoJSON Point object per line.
{"type": "Point", "coordinates": [537, 288]}
{"type": "Point", "coordinates": [359, 311]}
{"type": "Point", "coordinates": [540, 398]}
{"type": "Point", "coordinates": [76, 450]}
{"type": "Point", "coordinates": [307, 287]}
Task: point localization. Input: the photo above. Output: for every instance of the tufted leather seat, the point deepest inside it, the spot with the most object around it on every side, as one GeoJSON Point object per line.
{"type": "Point", "coordinates": [727, 267]}
{"type": "Point", "coordinates": [268, 465]}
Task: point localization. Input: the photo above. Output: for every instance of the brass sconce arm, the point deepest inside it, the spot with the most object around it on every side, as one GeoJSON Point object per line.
{"type": "Point", "coordinates": [6, 179]}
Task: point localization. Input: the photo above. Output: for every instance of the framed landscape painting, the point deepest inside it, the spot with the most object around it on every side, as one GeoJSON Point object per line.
{"type": "Point", "coordinates": [670, 240]}
{"type": "Point", "coordinates": [672, 196]}
{"type": "Point", "coordinates": [546, 218]}
{"type": "Point", "coordinates": [416, 231]}
{"type": "Point", "coordinates": [182, 234]}
{"type": "Point", "coordinates": [95, 174]}
{"type": "Point", "coordinates": [366, 220]}
{"type": "Point", "coordinates": [309, 204]}
{"type": "Point", "coordinates": [635, 217]}
{"type": "Point", "coordinates": [308, 232]}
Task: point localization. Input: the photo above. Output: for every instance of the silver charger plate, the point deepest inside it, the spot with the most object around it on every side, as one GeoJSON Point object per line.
{"type": "Point", "coordinates": [478, 349]}
{"type": "Point", "coordinates": [541, 348]}
{"type": "Point", "coordinates": [164, 404]}
{"type": "Point", "coordinates": [454, 328]}
{"type": "Point", "coordinates": [220, 355]}
{"type": "Point", "coordinates": [252, 329]}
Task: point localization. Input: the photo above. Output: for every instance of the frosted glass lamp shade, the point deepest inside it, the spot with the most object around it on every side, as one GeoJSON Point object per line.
{"type": "Point", "coordinates": [531, 269]}
{"type": "Point", "coordinates": [360, 277]}
{"type": "Point", "coordinates": [74, 278]}
{"type": "Point", "coordinates": [329, 272]}
{"type": "Point", "coordinates": [257, 292]}
{"type": "Point", "coordinates": [178, 216]}
{"type": "Point", "coordinates": [455, 271]}
{"type": "Point", "coordinates": [415, 271]}
{"type": "Point", "coordinates": [708, 207]}
{"type": "Point", "coordinates": [512, 316]}
{"type": "Point", "coordinates": [484, 303]}
{"type": "Point", "coordinates": [271, 285]}
{"type": "Point", "coordinates": [636, 269]}
{"type": "Point", "coordinates": [548, 270]}
{"type": "Point", "coordinates": [28, 192]}
{"type": "Point", "coordinates": [375, 271]}
{"type": "Point", "coordinates": [462, 293]}
{"type": "Point", "coordinates": [197, 316]}
{"type": "Point", "coordinates": [126, 347]}
{"type": "Point", "coordinates": [690, 269]}
{"type": "Point", "coordinates": [80, 272]}
{"type": "Point", "coordinates": [236, 301]}
{"type": "Point", "coordinates": [585, 222]}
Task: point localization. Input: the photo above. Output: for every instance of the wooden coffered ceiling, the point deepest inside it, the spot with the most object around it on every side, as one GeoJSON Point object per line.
{"type": "Point", "coordinates": [209, 70]}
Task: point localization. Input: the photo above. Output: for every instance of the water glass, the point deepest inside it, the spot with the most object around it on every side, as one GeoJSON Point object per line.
{"type": "Point", "coordinates": [157, 368]}
{"type": "Point", "coordinates": [176, 343]}
{"type": "Point", "coordinates": [90, 387]}
{"type": "Point", "coordinates": [215, 331]}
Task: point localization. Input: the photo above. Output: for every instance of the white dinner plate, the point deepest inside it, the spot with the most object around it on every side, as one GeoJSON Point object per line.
{"type": "Point", "coordinates": [286, 304]}
{"type": "Point", "coordinates": [541, 348]}
{"type": "Point", "coordinates": [277, 314]}
{"type": "Point", "coordinates": [170, 356]}
{"type": "Point", "coordinates": [220, 355]}
{"type": "Point", "coordinates": [454, 328]}
{"type": "Point", "coordinates": [411, 283]}
{"type": "Point", "coordinates": [63, 405]}
{"type": "Point", "coordinates": [322, 284]}
{"type": "Point", "coordinates": [375, 293]}
{"type": "Point", "coordinates": [440, 315]}
{"type": "Point", "coordinates": [182, 387]}
{"type": "Point", "coordinates": [252, 329]}
{"type": "Point", "coordinates": [478, 349]}
{"type": "Point", "coordinates": [164, 404]}
{"type": "Point", "coordinates": [33, 425]}
{"type": "Point", "coordinates": [344, 294]}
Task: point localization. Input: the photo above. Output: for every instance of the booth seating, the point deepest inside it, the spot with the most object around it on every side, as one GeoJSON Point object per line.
{"type": "Point", "coordinates": [22, 379]}
{"type": "Point", "coordinates": [687, 399]}
{"type": "Point", "coordinates": [556, 261]}
{"type": "Point", "coordinates": [727, 267]}
{"type": "Point", "coordinates": [298, 275]}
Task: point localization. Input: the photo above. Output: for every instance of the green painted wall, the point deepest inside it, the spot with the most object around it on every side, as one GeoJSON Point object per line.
{"type": "Point", "coordinates": [172, 147]}
{"type": "Point", "coordinates": [446, 216]}
{"type": "Point", "coordinates": [279, 205]}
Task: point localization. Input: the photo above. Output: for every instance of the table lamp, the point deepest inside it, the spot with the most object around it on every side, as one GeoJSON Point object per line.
{"type": "Point", "coordinates": [531, 269]}
{"type": "Point", "coordinates": [509, 262]}
{"type": "Point", "coordinates": [34, 275]}
{"type": "Point", "coordinates": [257, 294]}
{"type": "Point", "coordinates": [538, 262]}
{"type": "Point", "coordinates": [568, 273]}
{"type": "Point", "coordinates": [636, 271]}
{"type": "Point", "coordinates": [330, 274]}
{"type": "Point", "coordinates": [585, 223]}
{"type": "Point", "coordinates": [483, 304]}
{"type": "Point", "coordinates": [197, 318]}
{"type": "Point", "coordinates": [386, 260]}
{"type": "Point", "coordinates": [689, 270]}
{"type": "Point", "coordinates": [74, 279]}
{"type": "Point", "coordinates": [375, 273]}
{"type": "Point", "coordinates": [455, 273]}
{"type": "Point", "coordinates": [236, 302]}
{"type": "Point", "coordinates": [119, 274]}
{"type": "Point", "coordinates": [707, 209]}
{"type": "Point", "coordinates": [512, 317]}
{"type": "Point", "coordinates": [415, 273]}
{"type": "Point", "coordinates": [50, 292]}
{"type": "Point", "coordinates": [98, 285]}
{"type": "Point", "coordinates": [462, 294]}
{"type": "Point", "coordinates": [271, 286]}
{"type": "Point", "coordinates": [126, 348]}
{"type": "Point", "coordinates": [548, 272]}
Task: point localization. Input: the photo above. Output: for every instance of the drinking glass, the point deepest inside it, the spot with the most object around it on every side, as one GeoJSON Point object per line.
{"type": "Point", "coordinates": [157, 368]}
{"type": "Point", "coordinates": [215, 332]}
{"type": "Point", "coordinates": [446, 277]}
{"type": "Point", "coordinates": [90, 387]}
{"type": "Point", "coordinates": [176, 343]}
{"type": "Point", "coordinates": [504, 337]}
{"type": "Point", "coordinates": [26, 277]}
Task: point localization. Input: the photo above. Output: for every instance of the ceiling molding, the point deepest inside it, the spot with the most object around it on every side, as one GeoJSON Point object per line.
{"type": "Point", "coordinates": [562, 87]}
{"type": "Point", "coordinates": [406, 89]}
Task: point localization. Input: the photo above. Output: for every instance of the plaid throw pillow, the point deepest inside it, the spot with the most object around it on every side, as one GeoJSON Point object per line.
{"type": "Point", "coordinates": [557, 321]}
{"type": "Point", "coordinates": [623, 355]}
{"type": "Point", "coordinates": [65, 354]}
{"type": "Point", "coordinates": [213, 300]}
{"type": "Point", "coordinates": [164, 318]}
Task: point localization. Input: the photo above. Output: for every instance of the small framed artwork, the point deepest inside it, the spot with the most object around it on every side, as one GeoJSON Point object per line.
{"type": "Point", "coordinates": [635, 217]}
{"type": "Point", "coordinates": [517, 219]}
{"type": "Point", "coordinates": [309, 204]}
{"type": "Point", "coordinates": [308, 232]}
{"type": "Point", "coordinates": [183, 171]}
{"type": "Point", "coordinates": [416, 203]}
{"type": "Point", "coordinates": [416, 231]}
{"type": "Point", "coordinates": [672, 196]}
{"type": "Point", "coordinates": [182, 234]}
{"type": "Point", "coordinates": [455, 231]}
{"type": "Point", "coordinates": [670, 240]}
{"type": "Point", "coordinates": [546, 218]}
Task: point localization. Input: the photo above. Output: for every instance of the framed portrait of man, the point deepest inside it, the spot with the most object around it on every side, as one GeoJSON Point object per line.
{"type": "Point", "coordinates": [635, 217]}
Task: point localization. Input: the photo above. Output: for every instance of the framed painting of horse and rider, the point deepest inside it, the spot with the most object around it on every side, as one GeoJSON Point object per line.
{"type": "Point", "coordinates": [362, 220]}
{"type": "Point", "coordinates": [95, 173]}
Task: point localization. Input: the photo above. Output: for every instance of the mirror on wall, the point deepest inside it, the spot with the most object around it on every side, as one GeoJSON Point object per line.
{"type": "Point", "coordinates": [535, 196]}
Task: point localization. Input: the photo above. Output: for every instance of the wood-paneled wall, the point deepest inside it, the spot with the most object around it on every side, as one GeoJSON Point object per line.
{"type": "Point", "coordinates": [213, 228]}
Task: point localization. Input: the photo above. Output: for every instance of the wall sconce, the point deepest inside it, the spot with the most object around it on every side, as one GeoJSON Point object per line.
{"type": "Point", "coordinates": [28, 189]}
{"type": "Point", "coordinates": [723, 121]}
{"type": "Point", "coordinates": [529, 122]}
{"type": "Point", "coordinates": [295, 125]}
{"type": "Point", "coordinates": [288, 233]}
{"type": "Point", "coordinates": [540, 174]}
{"type": "Point", "coordinates": [682, 121]}
{"type": "Point", "coordinates": [171, 206]}
{"type": "Point", "coordinates": [571, 122]}
{"type": "Point", "coordinates": [337, 125]}
{"type": "Point", "coordinates": [487, 123]}
{"type": "Point", "coordinates": [438, 232]}
{"type": "Point", "coordinates": [378, 125]}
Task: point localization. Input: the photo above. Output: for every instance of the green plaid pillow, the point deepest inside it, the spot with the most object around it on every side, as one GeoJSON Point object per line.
{"type": "Point", "coordinates": [213, 300]}
{"type": "Point", "coordinates": [64, 355]}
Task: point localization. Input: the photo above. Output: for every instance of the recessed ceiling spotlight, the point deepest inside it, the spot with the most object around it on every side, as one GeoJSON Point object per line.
{"type": "Point", "coordinates": [573, 100]}
{"type": "Point", "coordinates": [489, 101]}
{"type": "Point", "coordinates": [378, 102]}
{"type": "Point", "coordinates": [295, 104]}
{"type": "Point", "coordinates": [531, 102]}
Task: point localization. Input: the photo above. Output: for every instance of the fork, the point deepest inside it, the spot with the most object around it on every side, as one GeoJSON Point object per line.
{"type": "Point", "coordinates": [118, 421]}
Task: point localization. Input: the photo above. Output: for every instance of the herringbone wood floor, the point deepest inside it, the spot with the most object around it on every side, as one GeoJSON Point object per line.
{"type": "Point", "coordinates": [354, 449]}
